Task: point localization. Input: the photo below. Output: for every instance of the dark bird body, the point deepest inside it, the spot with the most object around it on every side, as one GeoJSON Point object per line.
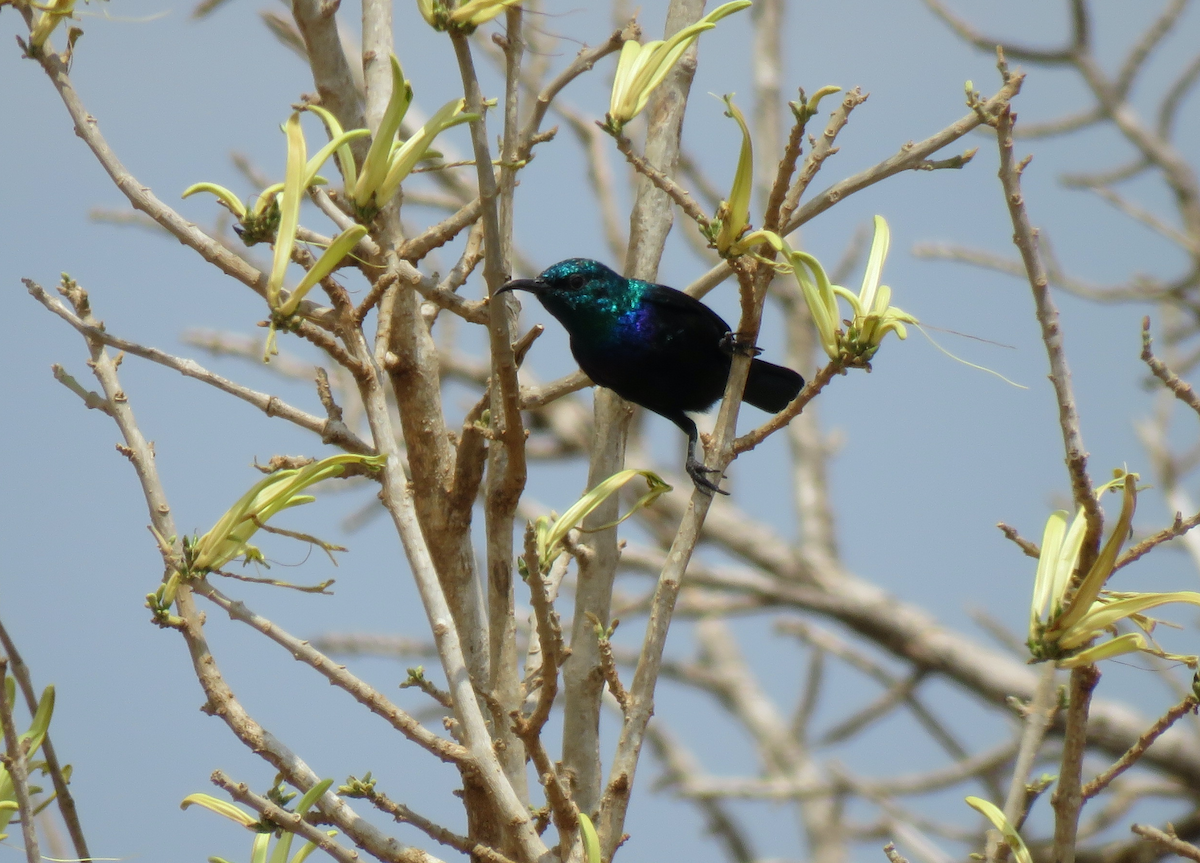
{"type": "Point", "coordinates": [652, 345]}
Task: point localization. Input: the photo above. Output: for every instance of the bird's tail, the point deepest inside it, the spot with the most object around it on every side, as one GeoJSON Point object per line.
{"type": "Point", "coordinates": [771, 387]}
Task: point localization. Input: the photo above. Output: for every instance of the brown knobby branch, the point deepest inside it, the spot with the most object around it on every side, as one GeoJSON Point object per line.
{"type": "Point", "coordinates": [1187, 705]}
{"type": "Point", "coordinates": [677, 193]}
{"type": "Point", "coordinates": [1168, 841]}
{"type": "Point", "coordinates": [506, 462]}
{"type": "Point", "coordinates": [1025, 238]}
{"type": "Point", "coordinates": [1180, 388]}
{"type": "Point", "coordinates": [753, 438]}
{"type": "Point", "coordinates": [1067, 798]}
{"type": "Point", "coordinates": [549, 635]}
{"type": "Point", "coordinates": [404, 815]}
{"type": "Point", "coordinates": [338, 675]}
{"type": "Point", "coordinates": [822, 149]}
{"type": "Point", "coordinates": [398, 499]}
{"type": "Point", "coordinates": [436, 236]}
{"type": "Point", "coordinates": [608, 667]}
{"type": "Point", "coordinates": [1010, 533]}
{"type": "Point", "coordinates": [374, 295]}
{"type": "Point", "coordinates": [650, 221]}
{"type": "Point", "coordinates": [328, 430]}
{"type": "Point", "coordinates": [290, 821]}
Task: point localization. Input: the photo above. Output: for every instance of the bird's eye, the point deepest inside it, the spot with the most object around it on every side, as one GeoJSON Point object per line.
{"type": "Point", "coordinates": [576, 281]}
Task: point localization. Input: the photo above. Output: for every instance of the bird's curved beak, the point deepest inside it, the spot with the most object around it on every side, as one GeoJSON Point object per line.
{"type": "Point", "coordinates": [531, 285]}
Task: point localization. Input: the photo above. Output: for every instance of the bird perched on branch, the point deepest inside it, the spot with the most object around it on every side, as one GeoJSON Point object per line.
{"type": "Point", "coordinates": [653, 345]}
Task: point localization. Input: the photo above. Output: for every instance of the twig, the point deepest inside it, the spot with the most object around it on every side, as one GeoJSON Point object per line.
{"type": "Point", "coordinates": [1038, 717]}
{"type": "Point", "coordinates": [1187, 705]}
{"type": "Point", "coordinates": [753, 438]}
{"type": "Point", "coordinates": [676, 192]}
{"type": "Point", "coordinates": [443, 232]}
{"type": "Point", "coordinates": [1025, 237]}
{"type": "Point", "coordinates": [608, 666]}
{"type": "Point", "coordinates": [1171, 843]}
{"type": "Point", "coordinates": [549, 635]}
{"type": "Point", "coordinates": [1150, 39]}
{"type": "Point", "coordinates": [1030, 548]}
{"type": "Point", "coordinates": [18, 771]}
{"type": "Point", "coordinates": [680, 768]}
{"type": "Point", "coordinates": [338, 675]}
{"type": "Point", "coordinates": [438, 833]}
{"type": "Point", "coordinates": [895, 786]}
{"type": "Point", "coordinates": [330, 432]}
{"type": "Point", "coordinates": [821, 151]}
{"type": "Point", "coordinates": [1178, 387]}
{"type": "Point", "coordinates": [91, 400]}
{"type": "Point", "coordinates": [1178, 528]}
{"type": "Point", "coordinates": [892, 697]}
{"type": "Point", "coordinates": [1175, 96]}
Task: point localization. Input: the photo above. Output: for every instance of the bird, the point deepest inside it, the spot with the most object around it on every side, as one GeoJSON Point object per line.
{"type": "Point", "coordinates": [654, 346]}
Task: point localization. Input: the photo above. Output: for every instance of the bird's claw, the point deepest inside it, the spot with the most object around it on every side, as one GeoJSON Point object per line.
{"type": "Point", "coordinates": [732, 343]}
{"type": "Point", "coordinates": [697, 471]}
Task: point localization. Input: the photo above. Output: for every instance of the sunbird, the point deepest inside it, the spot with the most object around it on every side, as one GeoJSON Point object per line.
{"type": "Point", "coordinates": [654, 346]}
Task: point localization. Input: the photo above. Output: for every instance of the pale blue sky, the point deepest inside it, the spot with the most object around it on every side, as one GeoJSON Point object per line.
{"type": "Point", "coordinates": [933, 454]}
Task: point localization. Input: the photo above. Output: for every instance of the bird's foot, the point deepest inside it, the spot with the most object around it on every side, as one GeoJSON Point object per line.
{"type": "Point", "coordinates": [732, 343]}
{"type": "Point", "coordinates": [696, 470]}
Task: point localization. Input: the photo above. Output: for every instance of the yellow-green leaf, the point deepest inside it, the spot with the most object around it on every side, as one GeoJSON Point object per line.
{"type": "Point", "coordinates": [221, 807]}
{"type": "Point", "coordinates": [289, 208]}
{"type": "Point", "coordinates": [591, 842]}
{"type": "Point", "coordinates": [1011, 837]}
{"type": "Point", "coordinates": [228, 198]}
{"type": "Point", "coordinates": [341, 246]}
{"type": "Point", "coordinates": [375, 166]}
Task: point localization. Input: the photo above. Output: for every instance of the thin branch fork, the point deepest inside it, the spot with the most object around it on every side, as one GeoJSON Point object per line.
{"type": "Point", "coordinates": [330, 431]}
